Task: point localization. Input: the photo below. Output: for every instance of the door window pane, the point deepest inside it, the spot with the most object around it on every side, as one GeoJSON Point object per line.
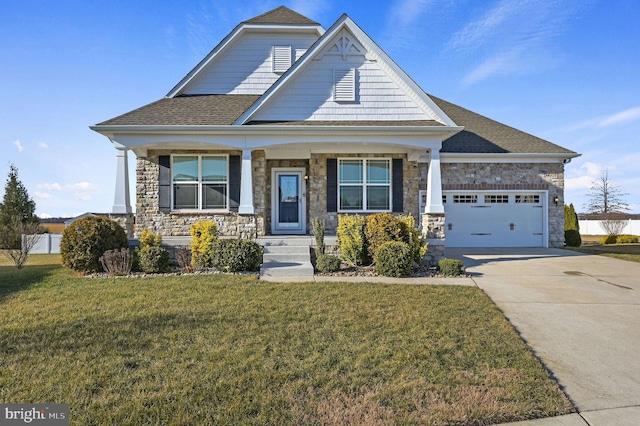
{"type": "Point", "coordinates": [185, 168]}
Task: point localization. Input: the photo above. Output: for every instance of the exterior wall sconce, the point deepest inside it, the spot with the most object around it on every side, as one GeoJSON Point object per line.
{"type": "Point", "coordinates": [556, 200]}
{"type": "Point", "coordinates": [450, 226]}
{"type": "Point", "coordinates": [512, 226]}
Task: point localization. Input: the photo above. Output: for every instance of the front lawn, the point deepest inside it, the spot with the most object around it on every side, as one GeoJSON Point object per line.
{"type": "Point", "coordinates": [591, 245]}
{"type": "Point", "coordinates": [224, 349]}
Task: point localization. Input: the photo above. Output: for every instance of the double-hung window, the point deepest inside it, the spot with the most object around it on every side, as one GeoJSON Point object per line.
{"type": "Point", "coordinates": [364, 184]}
{"type": "Point", "coordinates": [200, 182]}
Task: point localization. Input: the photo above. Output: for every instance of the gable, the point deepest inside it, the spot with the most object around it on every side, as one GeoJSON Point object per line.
{"type": "Point", "coordinates": [345, 76]}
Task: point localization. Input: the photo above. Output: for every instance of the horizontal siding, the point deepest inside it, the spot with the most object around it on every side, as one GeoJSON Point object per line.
{"type": "Point", "coordinates": [309, 96]}
{"type": "Point", "coordinates": [246, 66]}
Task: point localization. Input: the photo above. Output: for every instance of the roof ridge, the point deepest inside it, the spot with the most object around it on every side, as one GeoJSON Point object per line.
{"type": "Point", "coordinates": [281, 15]}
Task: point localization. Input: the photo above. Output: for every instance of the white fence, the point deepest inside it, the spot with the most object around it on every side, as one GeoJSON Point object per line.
{"type": "Point", "coordinates": [594, 227]}
{"type": "Point", "coordinates": [47, 244]}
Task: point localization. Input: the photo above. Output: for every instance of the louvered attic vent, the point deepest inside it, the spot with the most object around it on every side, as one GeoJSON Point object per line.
{"type": "Point", "coordinates": [344, 85]}
{"type": "Point", "coordinates": [281, 58]}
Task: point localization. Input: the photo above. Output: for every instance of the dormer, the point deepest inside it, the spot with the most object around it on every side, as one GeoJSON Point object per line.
{"type": "Point", "coordinates": [253, 56]}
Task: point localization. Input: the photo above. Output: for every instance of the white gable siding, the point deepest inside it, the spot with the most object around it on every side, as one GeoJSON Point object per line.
{"type": "Point", "coordinates": [310, 95]}
{"type": "Point", "coordinates": [246, 67]}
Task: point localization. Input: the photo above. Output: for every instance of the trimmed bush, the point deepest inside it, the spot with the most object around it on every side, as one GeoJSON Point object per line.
{"type": "Point", "coordinates": [203, 235]}
{"type": "Point", "coordinates": [626, 239]}
{"type": "Point", "coordinates": [87, 239]}
{"type": "Point", "coordinates": [236, 255]}
{"type": "Point", "coordinates": [417, 242]}
{"type": "Point", "coordinates": [608, 239]}
{"type": "Point", "coordinates": [451, 267]}
{"type": "Point", "coordinates": [153, 259]}
{"type": "Point", "coordinates": [572, 238]}
{"type": "Point", "coordinates": [393, 259]}
{"type": "Point", "coordinates": [327, 263]}
{"type": "Point", "coordinates": [351, 239]}
{"type": "Point", "coordinates": [381, 228]}
{"type": "Point", "coordinates": [149, 239]}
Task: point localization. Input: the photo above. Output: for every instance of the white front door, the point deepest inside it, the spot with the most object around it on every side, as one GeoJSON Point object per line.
{"type": "Point", "coordinates": [288, 206]}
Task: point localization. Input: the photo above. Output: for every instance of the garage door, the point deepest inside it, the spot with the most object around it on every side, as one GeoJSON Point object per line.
{"type": "Point", "coordinates": [494, 219]}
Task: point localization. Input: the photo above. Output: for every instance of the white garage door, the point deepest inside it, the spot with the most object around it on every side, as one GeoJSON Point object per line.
{"type": "Point", "coordinates": [494, 219]}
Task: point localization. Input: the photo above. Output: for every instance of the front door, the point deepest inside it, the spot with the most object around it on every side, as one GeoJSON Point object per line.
{"type": "Point", "coordinates": [288, 212]}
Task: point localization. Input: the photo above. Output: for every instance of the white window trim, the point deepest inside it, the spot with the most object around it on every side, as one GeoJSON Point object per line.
{"type": "Point", "coordinates": [364, 185]}
{"type": "Point", "coordinates": [344, 85]}
{"type": "Point", "coordinates": [199, 183]}
{"type": "Point", "coordinates": [280, 59]}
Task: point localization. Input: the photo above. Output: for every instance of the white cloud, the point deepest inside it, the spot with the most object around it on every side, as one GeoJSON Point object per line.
{"type": "Point", "coordinates": [18, 145]}
{"type": "Point", "coordinates": [42, 195]}
{"type": "Point", "coordinates": [622, 117]}
{"type": "Point", "coordinates": [44, 216]}
{"type": "Point", "coordinates": [81, 186]}
{"type": "Point", "coordinates": [584, 176]}
{"type": "Point", "coordinates": [43, 145]}
{"type": "Point", "coordinates": [49, 186]}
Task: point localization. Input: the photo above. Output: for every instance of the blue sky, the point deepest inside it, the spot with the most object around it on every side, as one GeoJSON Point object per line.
{"type": "Point", "coordinates": [564, 70]}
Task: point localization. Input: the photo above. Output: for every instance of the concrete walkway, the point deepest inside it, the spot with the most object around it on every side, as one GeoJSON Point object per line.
{"type": "Point", "coordinates": [581, 316]}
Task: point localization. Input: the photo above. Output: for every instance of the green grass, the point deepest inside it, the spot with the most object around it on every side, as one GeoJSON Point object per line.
{"type": "Point", "coordinates": [591, 245]}
{"type": "Point", "coordinates": [233, 350]}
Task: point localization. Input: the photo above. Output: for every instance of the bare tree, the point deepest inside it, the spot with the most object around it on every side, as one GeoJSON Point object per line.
{"type": "Point", "coordinates": [29, 233]}
{"type": "Point", "coordinates": [606, 200]}
{"type": "Point", "coordinates": [605, 197]}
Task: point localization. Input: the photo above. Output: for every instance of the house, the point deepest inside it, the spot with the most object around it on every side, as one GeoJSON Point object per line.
{"type": "Point", "coordinates": [284, 121]}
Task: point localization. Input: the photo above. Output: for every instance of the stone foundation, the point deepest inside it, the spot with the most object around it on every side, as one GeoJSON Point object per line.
{"type": "Point", "coordinates": [126, 220]}
{"type": "Point", "coordinates": [433, 230]}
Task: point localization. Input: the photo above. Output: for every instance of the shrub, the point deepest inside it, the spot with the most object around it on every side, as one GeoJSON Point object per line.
{"type": "Point", "coordinates": [116, 262]}
{"type": "Point", "coordinates": [87, 239]}
{"type": "Point", "coordinates": [351, 239]}
{"type": "Point", "coordinates": [327, 263]}
{"type": "Point", "coordinates": [451, 267]}
{"type": "Point", "coordinates": [153, 259]}
{"type": "Point", "coordinates": [149, 239]}
{"type": "Point", "coordinates": [381, 228]}
{"type": "Point", "coordinates": [393, 259]}
{"type": "Point", "coordinates": [318, 225]}
{"type": "Point", "coordinates": [203, 233]}
{"type": "Point", "coordinates": [183, 257]}
{"type": "Point", "coordinates": [236, 255]}
{"type": "Point", "coordinates": [572, 238]}
{"type": "Point", "coordinates": [608, 239]}
{"type": "Point", "coordinates": [626, 239]}
{"type": "Point", "coordinates": [417, 242]}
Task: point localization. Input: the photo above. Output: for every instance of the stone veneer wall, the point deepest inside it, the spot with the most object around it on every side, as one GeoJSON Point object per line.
{"type": "Point", "coordinates": [317, 187]}
{"type": "Point", "coordinates": [513, 176]}
{"type": "Point", "coordinates": [148, 215]}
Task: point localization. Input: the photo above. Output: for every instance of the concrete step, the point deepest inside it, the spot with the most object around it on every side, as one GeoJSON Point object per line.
{"type": "Point", "coordinates": [286, 269]}
{"type": "Point", "coordinates": [286, 257]}
{"type": "Point", "coordinates": [287, 249]}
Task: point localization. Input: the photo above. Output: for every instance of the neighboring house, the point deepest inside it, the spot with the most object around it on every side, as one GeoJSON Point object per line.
{"type": "Point", "coordinates": [283, 122]}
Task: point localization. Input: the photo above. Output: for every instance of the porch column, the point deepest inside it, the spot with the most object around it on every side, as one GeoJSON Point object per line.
{"type": "Point", "coordinates": [433, 220]}
{"type": "Point", "coordinates": [121, 201]}
{"type": "Point", "coordinates": [246, 184]}
{"type": "Point", "coordinates": [434, 185]}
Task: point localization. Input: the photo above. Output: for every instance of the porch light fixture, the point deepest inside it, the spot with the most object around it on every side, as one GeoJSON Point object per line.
{"type": "Point", "coordinates": [556, 200]}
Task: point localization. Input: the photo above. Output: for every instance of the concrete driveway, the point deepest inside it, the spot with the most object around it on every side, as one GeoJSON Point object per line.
{"type": "Point", "coordinates": [580, 314]}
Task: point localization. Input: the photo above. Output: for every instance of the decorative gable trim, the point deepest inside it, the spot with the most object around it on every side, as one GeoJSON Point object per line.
{"type": "Point", "coordinates": [343, 46]}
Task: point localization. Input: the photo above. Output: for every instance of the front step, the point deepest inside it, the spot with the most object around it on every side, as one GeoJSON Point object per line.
{"type": "Point", "coordinates": [286, 257]}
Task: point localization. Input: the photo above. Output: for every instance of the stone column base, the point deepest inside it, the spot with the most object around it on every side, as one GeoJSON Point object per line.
{"type": "Point", "coordinates": [126, 220]}
{"type": "Point", "coordinates": [433, 231]}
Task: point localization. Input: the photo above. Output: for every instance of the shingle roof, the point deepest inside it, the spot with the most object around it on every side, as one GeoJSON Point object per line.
{"type": "Point", "coordinates": [194, 110]}
{"type": "Point", "coordinates": [281, 15]}
{"type": "Point", "coordinates": [481, 135]}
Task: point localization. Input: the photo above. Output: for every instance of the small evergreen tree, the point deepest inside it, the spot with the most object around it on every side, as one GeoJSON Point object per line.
{"type": "Point", "coordinates": [572, 236]}
{"type": "Point", "coordinates": [17, 209]}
